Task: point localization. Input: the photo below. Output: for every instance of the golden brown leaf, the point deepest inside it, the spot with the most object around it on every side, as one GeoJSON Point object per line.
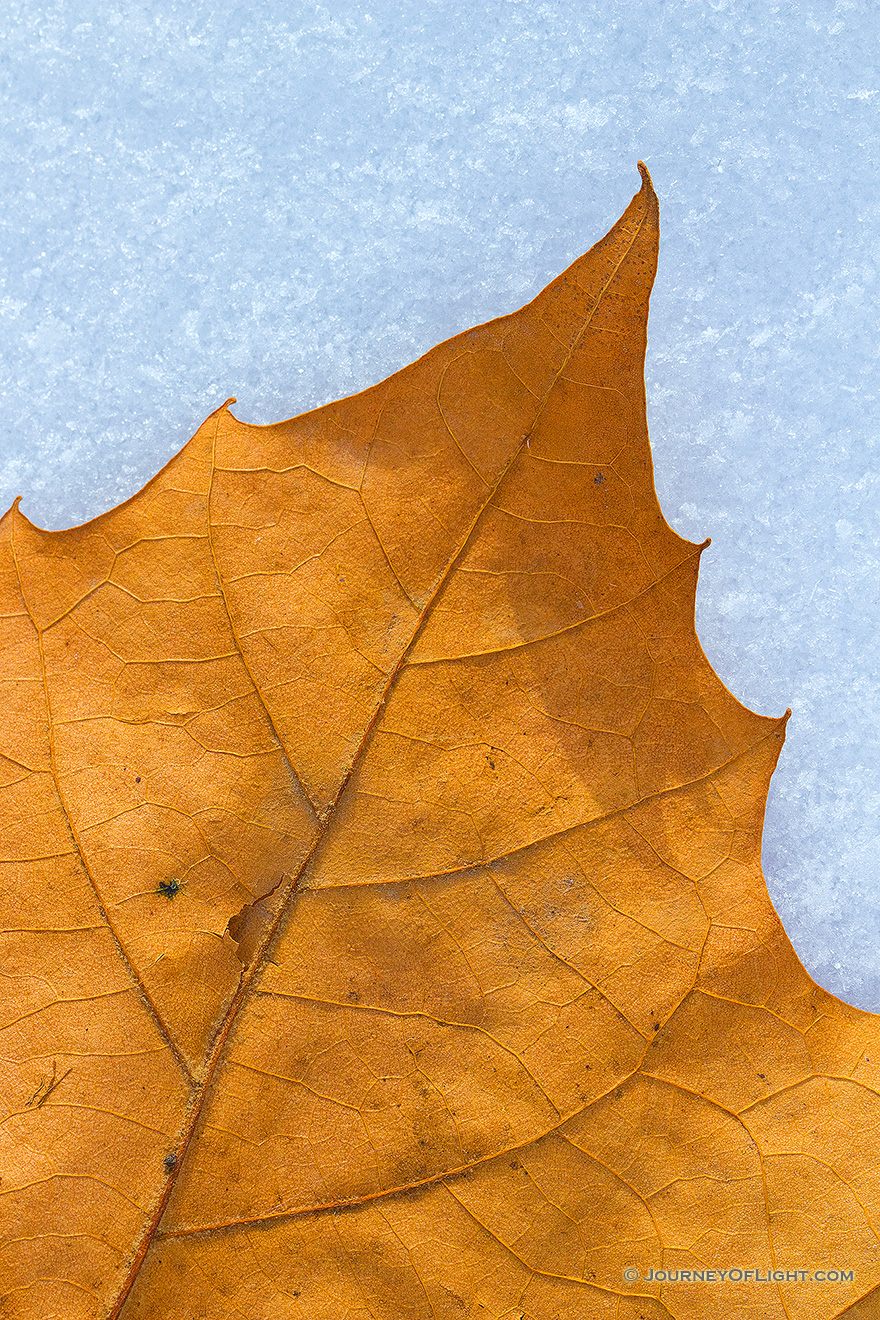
{"type": "Point", "coordinates": [386, 934]}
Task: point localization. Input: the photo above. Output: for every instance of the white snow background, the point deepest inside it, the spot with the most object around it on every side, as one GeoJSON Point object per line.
{"type": "Point", "coordinates": [287, 202]}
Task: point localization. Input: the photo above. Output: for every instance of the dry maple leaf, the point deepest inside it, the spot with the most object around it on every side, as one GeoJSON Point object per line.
{"type": "Point", "coordinates": [386, 934]}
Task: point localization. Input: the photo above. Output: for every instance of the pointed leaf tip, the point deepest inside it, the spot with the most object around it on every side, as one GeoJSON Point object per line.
{"type": "Point", "coordinates": [647, 183]}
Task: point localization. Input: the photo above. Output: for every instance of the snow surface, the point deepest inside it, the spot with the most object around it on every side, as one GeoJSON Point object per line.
{"type": "Point", "coordinates": [286, 202]}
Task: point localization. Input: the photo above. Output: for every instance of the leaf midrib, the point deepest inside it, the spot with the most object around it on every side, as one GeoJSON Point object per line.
{"type": "Point", "coordinates": [324, 824]}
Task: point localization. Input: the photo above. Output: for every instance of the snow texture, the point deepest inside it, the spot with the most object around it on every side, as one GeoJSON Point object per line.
{"type": "Point", "coordinates": [286, 202]}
